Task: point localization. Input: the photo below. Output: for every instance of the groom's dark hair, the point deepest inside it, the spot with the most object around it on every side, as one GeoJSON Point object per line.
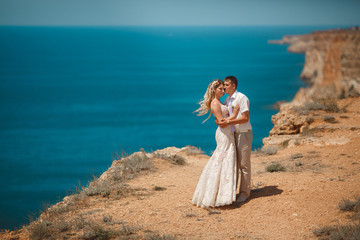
{"type": "Point", "coordinates": [232, 79]}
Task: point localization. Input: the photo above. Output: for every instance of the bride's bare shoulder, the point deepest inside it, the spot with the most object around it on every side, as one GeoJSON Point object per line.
{"type": "Point", "coordinates": [215, 103]}
{"type": "Point", "coordinates": [215, 106]}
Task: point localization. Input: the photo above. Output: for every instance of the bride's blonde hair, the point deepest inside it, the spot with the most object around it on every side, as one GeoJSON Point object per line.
{"type": "Point", "coordinates": [208, 97]}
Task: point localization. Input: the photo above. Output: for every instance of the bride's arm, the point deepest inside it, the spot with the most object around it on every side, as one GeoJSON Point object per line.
{"type": "Point", "coordinates": [225, 122]}
{"type": "Point", "coordinates": [216, 110]}
{"type": "Point", "coordinates": [234, 114]}
{"type": "Point", "coordinates": [232, 117]}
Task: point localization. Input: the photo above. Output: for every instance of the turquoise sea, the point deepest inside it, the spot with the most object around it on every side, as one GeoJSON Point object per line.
{"type": "Point", "coordinates": [72, 96]}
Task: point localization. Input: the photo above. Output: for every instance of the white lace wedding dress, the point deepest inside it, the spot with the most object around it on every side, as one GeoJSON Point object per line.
{"type": "Point", "coordinates": [217, 184]}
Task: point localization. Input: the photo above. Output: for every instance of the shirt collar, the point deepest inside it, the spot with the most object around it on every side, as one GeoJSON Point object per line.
{"type": "Point", "coordinates": [234, 95]}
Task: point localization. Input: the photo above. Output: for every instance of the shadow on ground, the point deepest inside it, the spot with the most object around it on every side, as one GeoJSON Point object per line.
{"type": "Point", "coordinates": [267, 191]}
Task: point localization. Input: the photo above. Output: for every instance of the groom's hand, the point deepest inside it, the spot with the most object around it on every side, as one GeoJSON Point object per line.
{"type": "Point", "coordinates": [222, 123]}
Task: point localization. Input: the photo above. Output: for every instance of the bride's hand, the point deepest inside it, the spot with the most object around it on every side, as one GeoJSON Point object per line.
{"type": "Point", "coordinates": [236, 110]}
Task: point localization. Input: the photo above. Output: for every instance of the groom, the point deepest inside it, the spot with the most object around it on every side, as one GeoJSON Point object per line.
{"type": "Point", "coordinates": [243, 135]}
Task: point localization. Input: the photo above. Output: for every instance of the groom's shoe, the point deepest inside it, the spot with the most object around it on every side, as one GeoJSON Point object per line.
{"type": "Point", "coordinates": [241, 199]}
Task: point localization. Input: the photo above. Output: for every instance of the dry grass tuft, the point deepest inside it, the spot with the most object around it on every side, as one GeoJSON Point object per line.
{"type": "Point", "coordinates": [297, 155]}
{"type": "Point", "coordinates": [124, 190]}
{"type": "Point", "coordinates": [210, 211]}
{"type": "Point", "coordinates": [128, 167]}
{"type": "Point", "coordinates": [351, 206]}
{"type": "Point", "coordinates": [275, 167]}
{"type": "Point", "coordinates": [102, 188]}
{"type": "Point", "coordinates": [174, 159]}
{"type": "Point", "coordinates": [107, 219]}
{"type": "Point", "coordinates": [41, 230]}
{"type": "Point", "coordinates": [157, 188]}
{"type": "Point", "coordinates": [349, 231]}
{"type": "Point", "coordinates": [330, 119]}
{"type": "Point", "coordinates": [96, 232]}
{"type": "Point", "coordinates": [190, 214]}
{"type": "Point", "coordinates": [191, 150]}
{"type": "Point", "coordinates": [127, 230]}
{"type": "Point", "coordinates": [57, 209]}
{"type": "Point", "coordinates": [328, 105]}
{"type": "Point", "coordinates": [48, 230]}
{"type": "Point", "coordinates": [338, 232]}
{"type": "Point", "coordinates": [269, 150]}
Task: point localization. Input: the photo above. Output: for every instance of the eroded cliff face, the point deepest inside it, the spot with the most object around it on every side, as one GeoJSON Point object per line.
{"type": "Point", "coordinates": [332, 72]}
{"type": "Point", "coordinates": [319, 123]}
{"type": "Point", "coordinates": [332, 63]}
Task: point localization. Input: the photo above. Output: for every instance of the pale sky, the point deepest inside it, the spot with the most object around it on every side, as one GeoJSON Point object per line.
{"type": "Point", "coordinates": [179, 12]}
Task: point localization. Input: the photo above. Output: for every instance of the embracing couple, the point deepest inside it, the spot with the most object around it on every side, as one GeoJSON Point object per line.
{"type": "Point", "coordinates": [231, 158]}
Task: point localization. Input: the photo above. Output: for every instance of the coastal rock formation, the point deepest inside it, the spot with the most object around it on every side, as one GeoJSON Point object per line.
{"type": "Point", "coordinates": [332, 71]}
{"type": "Point", "coordinates": [118, 169]}
{"type": "Point", "coordinates": [332, 63]}
{"type": "Point", "coordinates": [313, 122]}
{"type": "Point", "coordinates": [287, 122]}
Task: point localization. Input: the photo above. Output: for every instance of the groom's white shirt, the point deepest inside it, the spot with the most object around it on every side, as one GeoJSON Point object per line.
{"type": "Point", "coordinates": [243, 101]}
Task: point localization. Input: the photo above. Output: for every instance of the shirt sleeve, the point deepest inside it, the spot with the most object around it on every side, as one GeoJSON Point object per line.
{"type": "Point", "coordinates": [244, 104]}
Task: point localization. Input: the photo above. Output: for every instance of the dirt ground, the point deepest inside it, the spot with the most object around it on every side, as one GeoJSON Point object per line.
{"type": "Point", "coordinates": [287, 205]}
{"type": "Point", "coordinates": [283, 205]}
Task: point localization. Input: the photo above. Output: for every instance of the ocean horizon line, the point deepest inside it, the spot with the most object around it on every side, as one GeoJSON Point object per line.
{"type": "Point", "coordinates": [190, 26]}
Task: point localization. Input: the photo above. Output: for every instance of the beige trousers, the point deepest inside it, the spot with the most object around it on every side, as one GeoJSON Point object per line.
{"type": "Point", "coordinates": [243, 143]}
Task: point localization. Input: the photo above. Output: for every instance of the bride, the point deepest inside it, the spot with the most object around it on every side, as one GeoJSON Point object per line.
{"type": "Point", "coordinates": [217, 183]}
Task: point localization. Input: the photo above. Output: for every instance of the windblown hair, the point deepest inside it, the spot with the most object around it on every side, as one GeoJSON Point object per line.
{"type": "Point", "coordinates": [208, 97]}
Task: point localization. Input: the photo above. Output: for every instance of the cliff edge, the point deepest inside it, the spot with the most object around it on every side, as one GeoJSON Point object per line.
{"type": "Point", "coordinates": [332, 63]}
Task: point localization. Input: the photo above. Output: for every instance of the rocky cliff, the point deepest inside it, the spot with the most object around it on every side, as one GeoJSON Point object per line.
{"type": "Point", "coordinates": [332, 72]}
{"type": "Point", "coordinates": [332, 63]}
{"type": "Point", "coordinates": [317, 123]}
